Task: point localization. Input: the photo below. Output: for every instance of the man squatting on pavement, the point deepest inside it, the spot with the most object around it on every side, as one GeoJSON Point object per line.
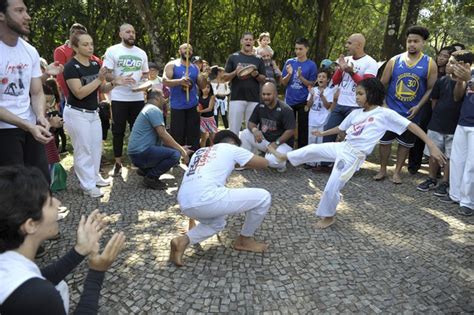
{"type": "Point", "coordinates": [364, 127]}
{"type": "Point", "coordinates": [204, 197]}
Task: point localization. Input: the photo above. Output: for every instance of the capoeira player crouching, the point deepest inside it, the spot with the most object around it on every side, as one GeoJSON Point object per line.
{"type": "Point", "coordinates": [204, 197]}
{"type": "Point", "coordinates": [364, 127]}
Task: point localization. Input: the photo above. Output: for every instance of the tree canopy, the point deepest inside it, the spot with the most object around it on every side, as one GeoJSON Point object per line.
{"type": "Point", "coordinates": [161, 25]}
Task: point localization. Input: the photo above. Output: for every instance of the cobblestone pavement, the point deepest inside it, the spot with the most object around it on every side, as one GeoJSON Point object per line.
{"type": "Point", "coordinates": [393, 249]}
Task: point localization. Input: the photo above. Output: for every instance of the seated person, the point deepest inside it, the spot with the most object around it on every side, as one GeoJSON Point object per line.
{"type": "Point", "coordinates": [150, 147]}
{"type": "Point", "coordinates": [271, 124]}
{"type": "Point", "coordinates": [28, 217]}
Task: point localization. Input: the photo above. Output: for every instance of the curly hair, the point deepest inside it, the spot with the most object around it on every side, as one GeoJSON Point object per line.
{"type": "Point", "coordinates": [374, 90]}
{"type": "Point", "coordinates": [24, 193]}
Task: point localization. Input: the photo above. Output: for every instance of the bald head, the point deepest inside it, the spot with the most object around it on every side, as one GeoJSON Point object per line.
{"type": "Point", "coordinates": [125, 26]}
{"type": "Point", "coordinates": [269, 94]}
{"type": "Point", "coordinates": [355, 45]}
{"type": "Point", "coordinates": [127, 34]}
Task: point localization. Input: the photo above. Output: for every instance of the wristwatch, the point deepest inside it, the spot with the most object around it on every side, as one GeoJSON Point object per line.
{"type": "Point", "coordinates": [277, 142]}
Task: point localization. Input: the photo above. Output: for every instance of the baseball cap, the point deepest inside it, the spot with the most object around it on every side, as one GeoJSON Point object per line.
{"type": "Point", "coordinates": [326, 64]}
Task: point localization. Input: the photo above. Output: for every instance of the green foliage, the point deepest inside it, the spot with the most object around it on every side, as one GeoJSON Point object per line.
{"type": "Point", "coordinates": [218, 25]}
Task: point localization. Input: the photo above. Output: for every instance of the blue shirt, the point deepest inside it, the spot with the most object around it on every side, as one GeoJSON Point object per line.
{"type": "Point", "coordinates": [466, 118]}
{"type": "Point", "coordinates": [143, 133]}
{"type": "Point", "coordinates": [296, 91]}
{"type": "Point", "coordinates": [408, 84]}
{"type": "Point", "coordinates": [178, 94]}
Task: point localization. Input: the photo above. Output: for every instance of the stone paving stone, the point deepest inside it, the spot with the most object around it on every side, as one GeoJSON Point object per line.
{"type": "Point", "coordinates": [393, 249]}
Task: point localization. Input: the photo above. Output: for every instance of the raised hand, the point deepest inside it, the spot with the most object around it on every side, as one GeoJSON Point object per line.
{"type": "Point", "coordinates": [289, 69]}
{"type": "Point", "coordinates": [103, 261]}
{"type": "Point", "coordinates": [89, 232]}
{"type": "Point", "coordinates": [102, 73]}
{"type": "Point", "coordinates": [462, 71]}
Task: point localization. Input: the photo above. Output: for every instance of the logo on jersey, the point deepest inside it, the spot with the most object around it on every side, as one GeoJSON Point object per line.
{"type": "Point", "coordinates": [407, 87]}
{"type": "Point", "coordinates": [129, 63]}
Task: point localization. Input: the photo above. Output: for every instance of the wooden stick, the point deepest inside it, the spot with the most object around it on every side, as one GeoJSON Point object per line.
{"type": "Point", "coordinates": [187, 45]}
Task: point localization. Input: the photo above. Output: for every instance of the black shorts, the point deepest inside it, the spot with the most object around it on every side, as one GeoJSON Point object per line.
{"type": "Point", "coordinates": [406, 139]}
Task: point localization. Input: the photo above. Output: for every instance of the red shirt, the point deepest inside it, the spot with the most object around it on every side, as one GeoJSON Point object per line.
{"type": "Point", "coordinates": [63, 54]}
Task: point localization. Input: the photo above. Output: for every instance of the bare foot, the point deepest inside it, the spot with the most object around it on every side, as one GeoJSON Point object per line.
{"type": "Point", "coordinates": [396, 179]}
{"type": "Point", "coordinates": [249, 244]}
{"type": "Point", "coordinates": [178, 246]}
{"type": "Point", "coordinates": [380, 176]}
{"type": "Point", "coordinates": [325, 222]}
{"type": "Point", "coordinates": [281, 157]}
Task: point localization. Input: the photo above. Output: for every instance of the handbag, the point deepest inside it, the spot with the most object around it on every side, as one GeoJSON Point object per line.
{"type": "Point", "coordinates": [59, 177]}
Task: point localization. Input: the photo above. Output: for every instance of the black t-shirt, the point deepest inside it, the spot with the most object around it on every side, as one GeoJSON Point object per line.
{"type": "Point", "coordinates": [274, 122]}
{"type": "Point", "coordinates": [204, 102]}
{"type": "Point", "coordinates": [446, 111]}
{"type": "Point", "coordinates": [246, 89]}
{"type": "Point", "coordinates": [75, 70]}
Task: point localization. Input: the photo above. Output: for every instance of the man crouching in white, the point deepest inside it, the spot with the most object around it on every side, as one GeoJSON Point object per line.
{"type": "Point", "coordinates": [204, 197]}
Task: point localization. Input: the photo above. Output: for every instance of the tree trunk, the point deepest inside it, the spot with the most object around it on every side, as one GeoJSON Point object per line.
{"type": "Point", "coordinates": [390, 41]}
{"type": "Point", "coordinates": [322, 31]}
{"type": "Point", "coordinates": [412, 17]}
{"type": "Point", "coordinates": [151, 28]}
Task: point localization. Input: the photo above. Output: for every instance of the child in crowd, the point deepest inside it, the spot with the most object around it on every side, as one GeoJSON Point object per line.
{"type": "Point", "coordinates": [442, 125]}
{"type": "Point", "coordinates": [319, 104]}
{"type": "Point", "coordinates": [364, 128]}
{"type": "Point", "coordinates": [206, 108]}
{"type": "Point", "coordinates": [157, 83]}
{"type": "Point", "coordinates": [221, 90]}
{"type": "Point", "coordinates": [264, 42]}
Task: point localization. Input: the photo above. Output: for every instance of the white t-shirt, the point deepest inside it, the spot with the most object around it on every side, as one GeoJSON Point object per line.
{"type": "Point", "coordinates": [347, 87]}
{"type": "Point", "coordinates": [318, 114]}
{"type": "Point", "coordinates": [204, 181]}
{"type": "Point", "coordinates": [365, 129]}
{"type": "Point", "coordinates": [125, 61]}
{"type": "Point", "coordinates": [220, 88]}
{"type": "Point", "coordinates": [18, 65]}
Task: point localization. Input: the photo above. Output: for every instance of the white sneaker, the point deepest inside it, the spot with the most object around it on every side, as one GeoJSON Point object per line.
{"type": "Point", "coordinates": [94, 192]}
{"type": "Point", "coordinates": [101, 182]}
{"type": "Point", "coordinates": [62, 212]}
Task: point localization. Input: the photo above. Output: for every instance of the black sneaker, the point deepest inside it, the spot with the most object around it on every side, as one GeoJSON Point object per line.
{"type": "Point", "coordinates": [447, 199]}
{"type": "Point", "coordinates": [41, 252]}
{"type": "Point", "coordinates": [117, 170]}
{"type": "Point", "coordinates": [466, 211]}
{"type": "Point", "coordinates": [441, 190]}
{"type": "Point", "coordinates": [428, 184]}
{"type": "Point", "coordinates": [154, 183]}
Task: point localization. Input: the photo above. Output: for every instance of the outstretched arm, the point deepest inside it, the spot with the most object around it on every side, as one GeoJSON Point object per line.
{"type": "Point", "coordinates": [435, 152]}
{"type": "Point", "coordinates": [329, 132]}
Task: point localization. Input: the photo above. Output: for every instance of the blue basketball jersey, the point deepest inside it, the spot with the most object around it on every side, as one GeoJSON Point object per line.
{"type": "Point", "coordinates": [407, 84]}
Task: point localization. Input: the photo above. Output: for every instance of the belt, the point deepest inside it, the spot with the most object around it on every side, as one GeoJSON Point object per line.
{"type": "Point", "coordinates": [90, 111]}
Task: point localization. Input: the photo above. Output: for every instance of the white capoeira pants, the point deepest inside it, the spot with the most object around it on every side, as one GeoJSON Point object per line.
{"type": "Point", "coordinates": [461, 167]}
{"type": "Point", "coordinates": [238, 110]}
{"type": "Point", "coordinates": [249, 143]}
{"type": "Point", "coordinates": [347, 161]}
{"type": "Point", "coordinates": [85, 130]}
{"type": "Point", "coordinates": [255, 202]}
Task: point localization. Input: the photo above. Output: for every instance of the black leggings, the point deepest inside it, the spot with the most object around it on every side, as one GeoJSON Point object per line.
{"type": "Point", "coordinates": [302, 123]}
{"type": "Point", "coordinates": [19, 147]}
{"type": "Point", "coordinates": [185, 127]}
{"type": "Point", "coordinates": [123, 112]}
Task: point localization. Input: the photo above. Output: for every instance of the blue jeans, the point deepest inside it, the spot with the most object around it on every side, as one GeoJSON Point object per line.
{"type": "Point", "coordinates": [338, 114]}
{"type": "Point", "coordinates": [156, 160]}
